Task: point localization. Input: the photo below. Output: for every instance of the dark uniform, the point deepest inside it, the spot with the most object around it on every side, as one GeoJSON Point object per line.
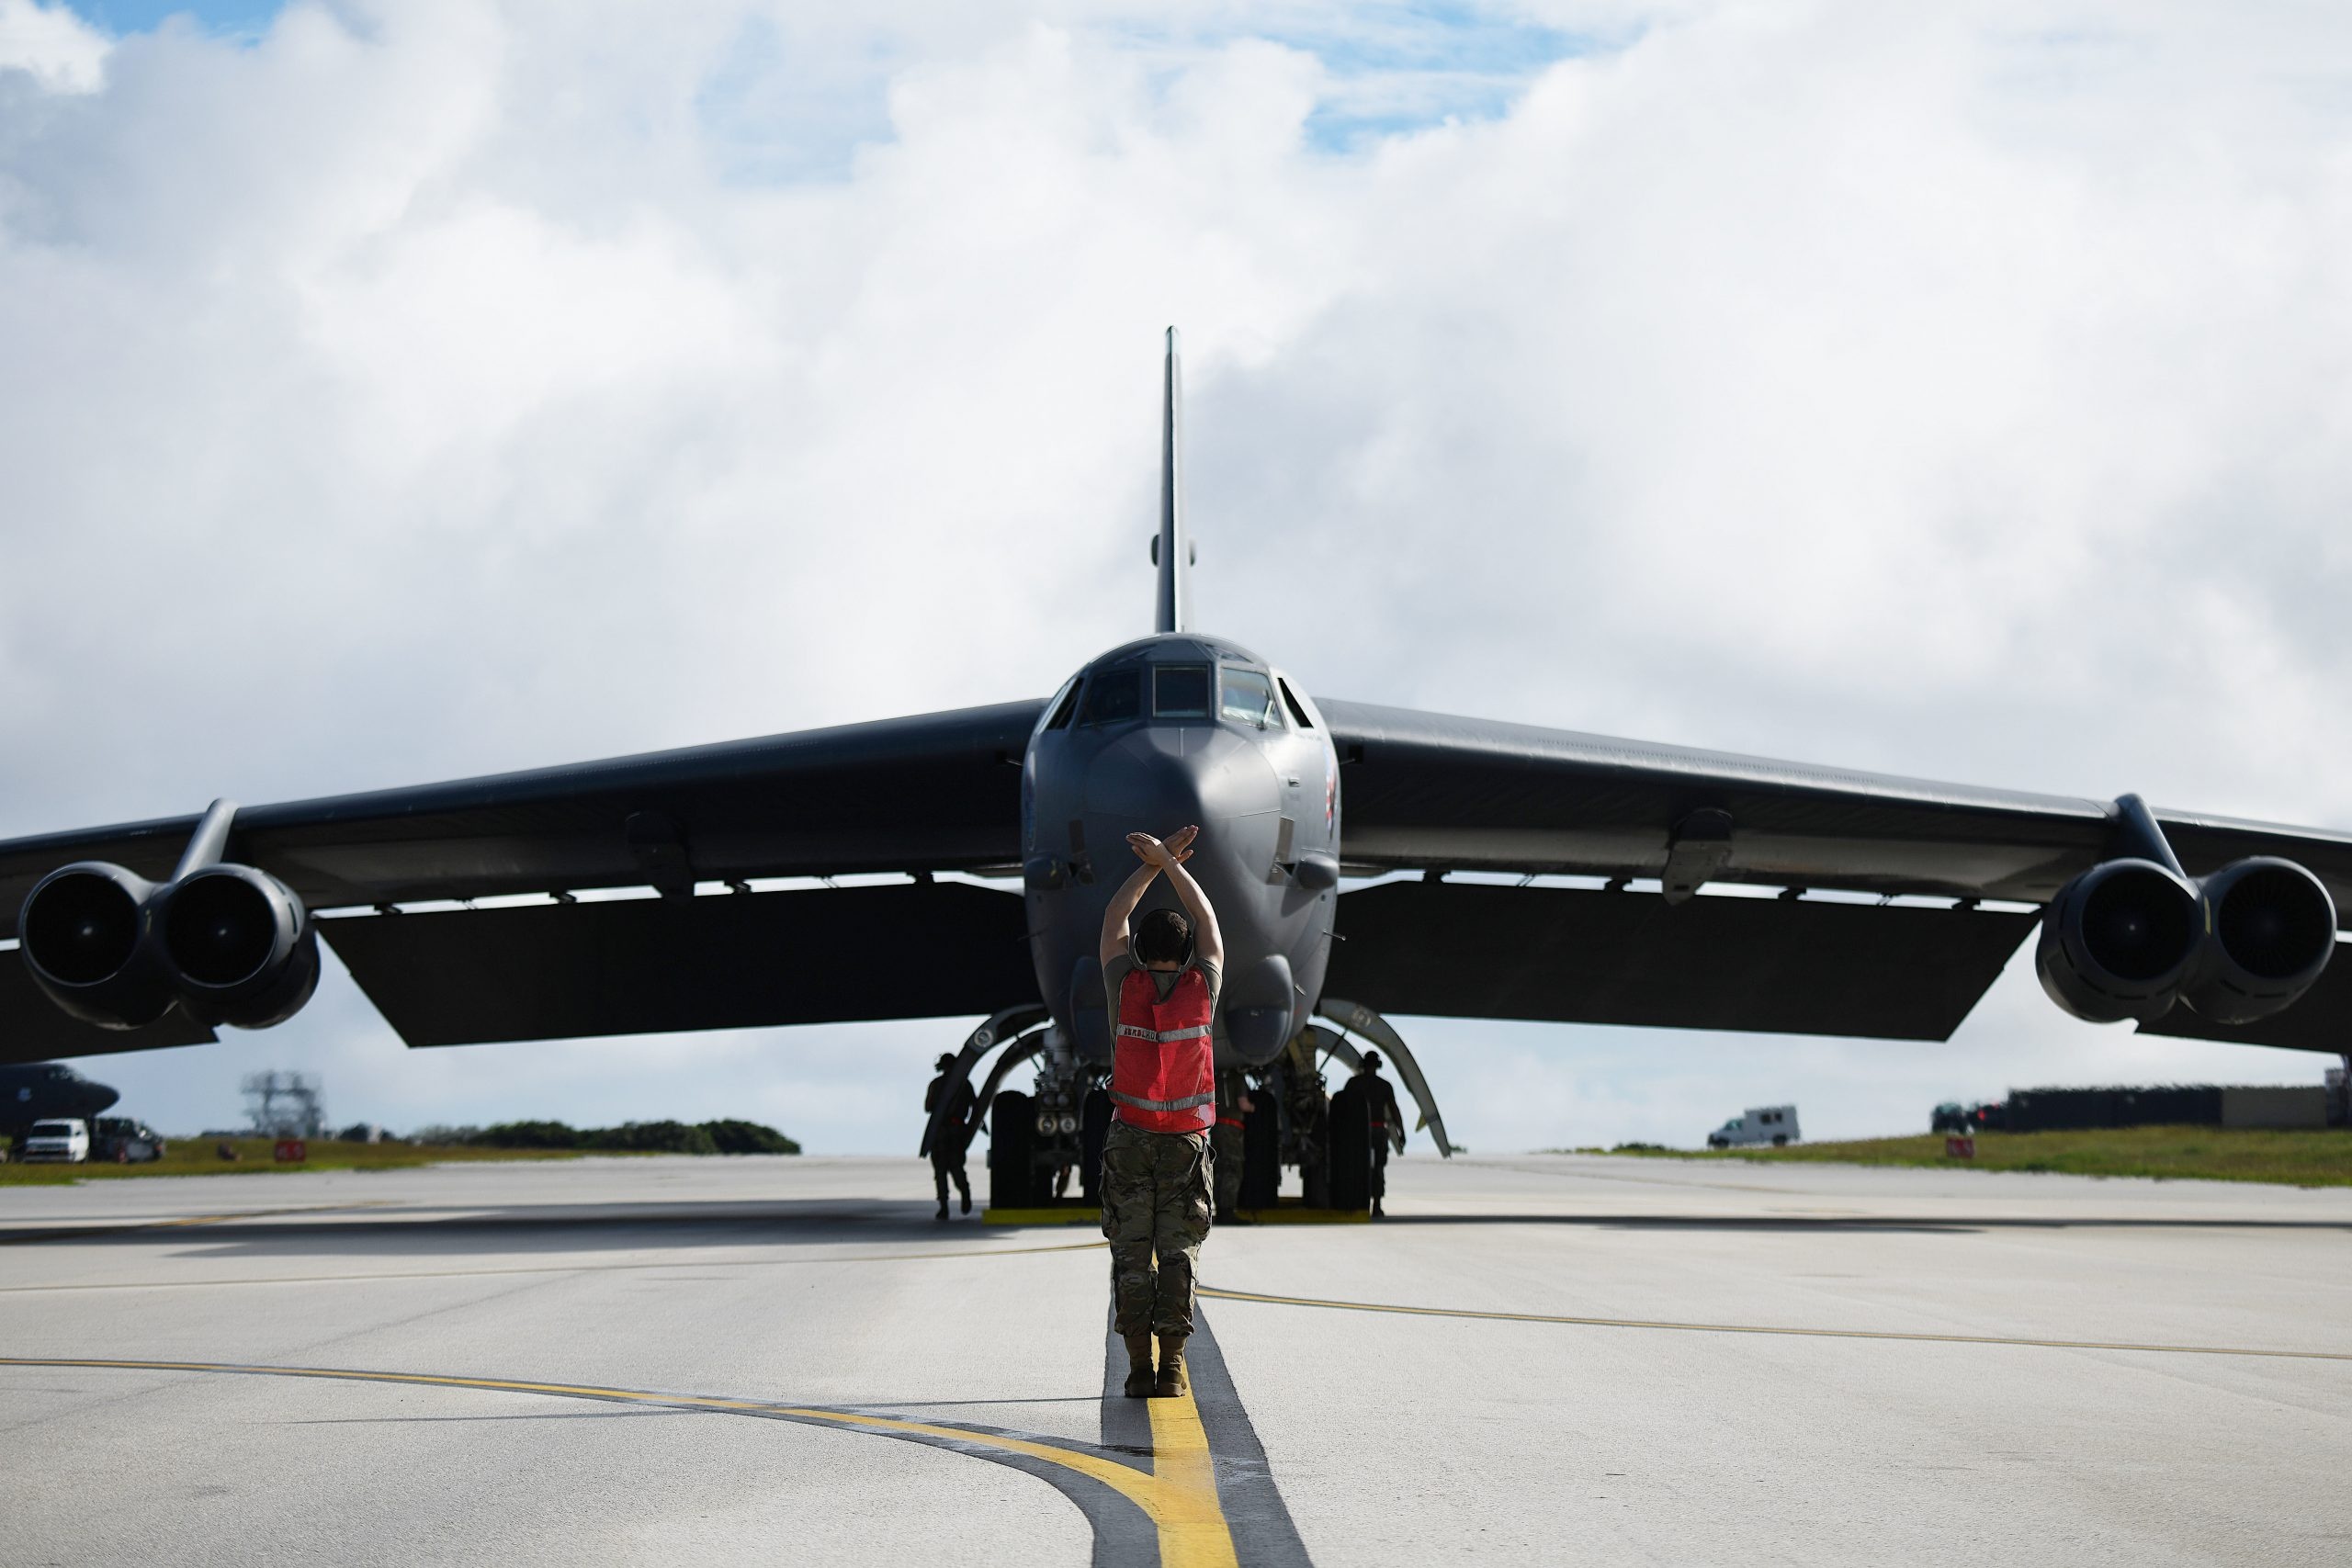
{"type": "Point", "coordinates": [1157, 1197]}
{"type": "Point", "coordinates": [1387, 1121]}
{"type": "Point", "coordinates": [955, 1137]}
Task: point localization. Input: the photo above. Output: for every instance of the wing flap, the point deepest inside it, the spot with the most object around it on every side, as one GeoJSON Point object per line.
{"type": "Point", "coordinates": [659, 965]}
{"type": "Point", "coordinates": [1790, 967]}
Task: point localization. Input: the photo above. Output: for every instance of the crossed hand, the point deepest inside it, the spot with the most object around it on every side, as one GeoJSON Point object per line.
{"type": "Point", "coordinates": [1175, 849]}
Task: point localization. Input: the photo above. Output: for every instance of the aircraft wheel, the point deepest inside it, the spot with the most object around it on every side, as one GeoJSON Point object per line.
{"type": "Point", "coordinates": [1013, 1137]}
{"type": "Point", "coordinates": [1780, 1140]}
{"type": "Point", "coordinates": [1261, 1154]}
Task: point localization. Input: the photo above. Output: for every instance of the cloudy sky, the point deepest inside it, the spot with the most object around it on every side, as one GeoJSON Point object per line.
{"type": "Point", "coordinates": [396, 391]}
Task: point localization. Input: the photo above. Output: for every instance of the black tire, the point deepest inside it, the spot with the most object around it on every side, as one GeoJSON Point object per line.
{"type": "Point", "coordinates": [1350, 1178]}
{"type": "Point", "coordinates": [1094, 1126]}
{"type": "Point", "coordinates": [1780, 1140]}
{"type": "Point", "coordinates": [1012, 1136]}
{"type": "Point", "coordinates": [1261, 1154]}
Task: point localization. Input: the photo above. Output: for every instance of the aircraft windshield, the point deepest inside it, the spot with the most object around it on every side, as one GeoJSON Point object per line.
{"type": "Point", "coordinates": [1248, 696]}
{"type": "Point", "coordinates": [1179, 691]}
{"type": "Point", "coordinates": [1113, 695]}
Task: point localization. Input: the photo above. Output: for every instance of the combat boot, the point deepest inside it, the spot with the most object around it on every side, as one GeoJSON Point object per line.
{"type": "Point", "coordinates": [1139, 1378]}
{"type": "Point", "coordinates": [1173, 1380]}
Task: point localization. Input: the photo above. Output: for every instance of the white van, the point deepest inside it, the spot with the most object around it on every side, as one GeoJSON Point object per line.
{"type": "Point", "coordinates": [63, 1138]}
{"type": "Point", "coordinates": [1760, 1124]}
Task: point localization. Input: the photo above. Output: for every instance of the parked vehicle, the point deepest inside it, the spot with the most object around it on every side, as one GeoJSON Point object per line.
{"type": "Point", "coordinates": [1992, 1116]}
{"type": "Point", "coordinates": [1950, 1117]}
{"type": "Point", "coordinates": [1760, 1124]}
{"type": "Point", "coordinates": [125, 1140]}
{"type": "Point", "coordinates": [58, 1138]}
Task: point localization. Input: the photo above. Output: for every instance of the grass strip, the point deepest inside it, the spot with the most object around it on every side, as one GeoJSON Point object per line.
{"type": "Point", "coordinates": [2318, 1158]}
{"type": "Point", "coordinates": [200, 1156]}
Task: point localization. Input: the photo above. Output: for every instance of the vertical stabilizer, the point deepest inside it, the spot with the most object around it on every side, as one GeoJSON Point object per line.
{"type": "Point", "coordinates": [1172, 552]}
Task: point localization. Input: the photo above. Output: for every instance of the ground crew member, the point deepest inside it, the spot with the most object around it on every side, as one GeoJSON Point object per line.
{"type": "Point", "coordinates": [1161, 981]}
{"type": "Point", "coordinates": [1233, 1106]}
{"type": "Point", "coordinates": [1387, 1121]}
{"type": "Point", "coordinates": [954, 1135]}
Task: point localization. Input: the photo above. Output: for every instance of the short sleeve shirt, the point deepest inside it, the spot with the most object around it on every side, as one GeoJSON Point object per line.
{"type": "Point", "coordinates": [1115, 974]}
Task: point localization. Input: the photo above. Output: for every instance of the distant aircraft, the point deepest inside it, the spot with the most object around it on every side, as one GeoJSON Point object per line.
{"type": "Point", "coordinates": [153, 933]}
{"type": "Point", "coordinates": [34, 1092]}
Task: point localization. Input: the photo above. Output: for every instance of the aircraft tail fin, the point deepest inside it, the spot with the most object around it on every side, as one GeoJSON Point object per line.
{"type": "Point", "coordinates": [1172, 552]}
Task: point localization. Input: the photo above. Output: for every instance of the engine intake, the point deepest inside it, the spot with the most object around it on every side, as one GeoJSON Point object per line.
{"type": "Point", "coordinates": [238, 945]}
{"type": "Point", "coordinates": [2119, 940]}
{"type": "Point", "coordinates": [84, 930]}
{"type": "Point", "coordinates": [230, 943]}
{"type": "Point", "coordinates": [2269, 928]}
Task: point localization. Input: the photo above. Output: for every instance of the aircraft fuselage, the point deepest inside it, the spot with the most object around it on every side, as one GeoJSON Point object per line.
{"type": "Point", "coordinates": [1173, 729]}
{"type": "Point", "coordinates": [35, 1091]}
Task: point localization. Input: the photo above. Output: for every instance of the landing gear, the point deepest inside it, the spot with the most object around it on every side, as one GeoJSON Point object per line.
{"type": "Point", "coordinates": [1038, 1141]}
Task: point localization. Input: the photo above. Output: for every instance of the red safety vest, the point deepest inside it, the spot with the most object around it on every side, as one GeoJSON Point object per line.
{"type": "Point", "coordinates": [1163, 1065]}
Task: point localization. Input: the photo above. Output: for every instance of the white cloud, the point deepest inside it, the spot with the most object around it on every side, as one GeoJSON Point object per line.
{"type": "Point", "coordinates": [50, 44]}
{"type": "Point", "coordinates": [435, 388]}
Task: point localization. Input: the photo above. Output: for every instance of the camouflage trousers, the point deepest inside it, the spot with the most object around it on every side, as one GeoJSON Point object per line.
{"type": "Point", "coordinates": [1156, 1194]}
{"type": "Point", "coordinates": [1228, 1143]}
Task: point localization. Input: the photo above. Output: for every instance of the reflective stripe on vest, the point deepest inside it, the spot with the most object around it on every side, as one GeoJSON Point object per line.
{"type": "Point", "coordinates": [1186, 1103]}
{"type": "Point", "coordinates": [1163, 1067]}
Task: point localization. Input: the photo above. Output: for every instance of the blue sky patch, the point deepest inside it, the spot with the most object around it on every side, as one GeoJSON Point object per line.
{"type": "Point", "coordinates": [225, 16]}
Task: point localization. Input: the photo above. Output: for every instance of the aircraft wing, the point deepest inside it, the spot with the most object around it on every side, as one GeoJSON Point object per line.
{"type": "Point", "coordinates": [1440, 794]}
{"type": "Point", "coordinates": [940, 792]}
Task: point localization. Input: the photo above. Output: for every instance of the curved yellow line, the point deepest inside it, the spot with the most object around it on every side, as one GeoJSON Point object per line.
{"type": "Point", "coordinates": [1179, 1495]}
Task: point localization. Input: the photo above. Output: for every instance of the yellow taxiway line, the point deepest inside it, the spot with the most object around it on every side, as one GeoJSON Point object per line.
{"type": "Point", "coordinates": [1764, 1328]}
{"type": "Point", "coordinates": [1178, 1494]}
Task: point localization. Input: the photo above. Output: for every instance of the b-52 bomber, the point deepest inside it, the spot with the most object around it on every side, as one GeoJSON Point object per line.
{"type": "Point", "coordinates": [1657, 885]}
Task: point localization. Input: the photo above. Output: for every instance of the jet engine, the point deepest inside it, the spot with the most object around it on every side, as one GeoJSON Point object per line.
{"type": "Point", "coordinates": [83, 932]}
{"type": "Point", "coordinates": [230, 943]}
{"type": "Point", "coordinates": [239, 944]}
{"type": "Point", "coordinates": [2269, 928]}
{"type": "Point", "coordinates": [2119, 941]}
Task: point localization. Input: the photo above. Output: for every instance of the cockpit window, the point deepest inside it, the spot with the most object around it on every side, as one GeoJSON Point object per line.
{"type": "Point", "coordinates": [1179, 691]}
{"type": "Point", "coordinates": [1250, 697]}
{"type": "Point", "coordinates": [1297, 708]}
{"type": "Point", "coordinates": [1113, 695]}
{"type": "Point", "coordinates": [1065, 707]}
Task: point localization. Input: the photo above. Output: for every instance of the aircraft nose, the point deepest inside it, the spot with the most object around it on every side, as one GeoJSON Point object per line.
{"type": "Point", "coordinates": [1158, 779]}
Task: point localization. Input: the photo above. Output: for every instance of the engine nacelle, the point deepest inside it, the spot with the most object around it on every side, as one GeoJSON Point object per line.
{"type": "Point", "coordinates": [83, 932]}
{"type": "Point", "coordinates": [238, 945]}
{"type": "Point", "coordinates": [228, 944]}
{"type": "Point", "coordinates": [2119, 941]}
{"type": "Point", "coordinates": [2269, 928]}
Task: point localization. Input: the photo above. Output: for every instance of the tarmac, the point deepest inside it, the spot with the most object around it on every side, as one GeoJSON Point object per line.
{"type": "Point", "coordinates": [1534, 1359]}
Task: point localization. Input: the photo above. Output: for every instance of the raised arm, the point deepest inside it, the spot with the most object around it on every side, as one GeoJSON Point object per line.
{"type": "Point", "coordinates": [1123, 907]}
{"type": "Point", "coordinates": [1208, 943]}
{"type": "Point", "coordinates": [1156, 856]}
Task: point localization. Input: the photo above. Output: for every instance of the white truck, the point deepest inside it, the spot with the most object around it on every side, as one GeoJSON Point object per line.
{"type": "Point", "coordinates": [59, 1138]}
{"type": "Point", "coordinates": [1757, 1125]}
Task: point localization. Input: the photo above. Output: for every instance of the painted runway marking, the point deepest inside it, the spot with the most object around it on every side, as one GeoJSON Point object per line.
{"type": "Point", "coordinates": [1762, 1328]}
{"type": "Point", "coordinates": [558, 1269]}
{"type": "Point", "coordinates": [1176, 1495]}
